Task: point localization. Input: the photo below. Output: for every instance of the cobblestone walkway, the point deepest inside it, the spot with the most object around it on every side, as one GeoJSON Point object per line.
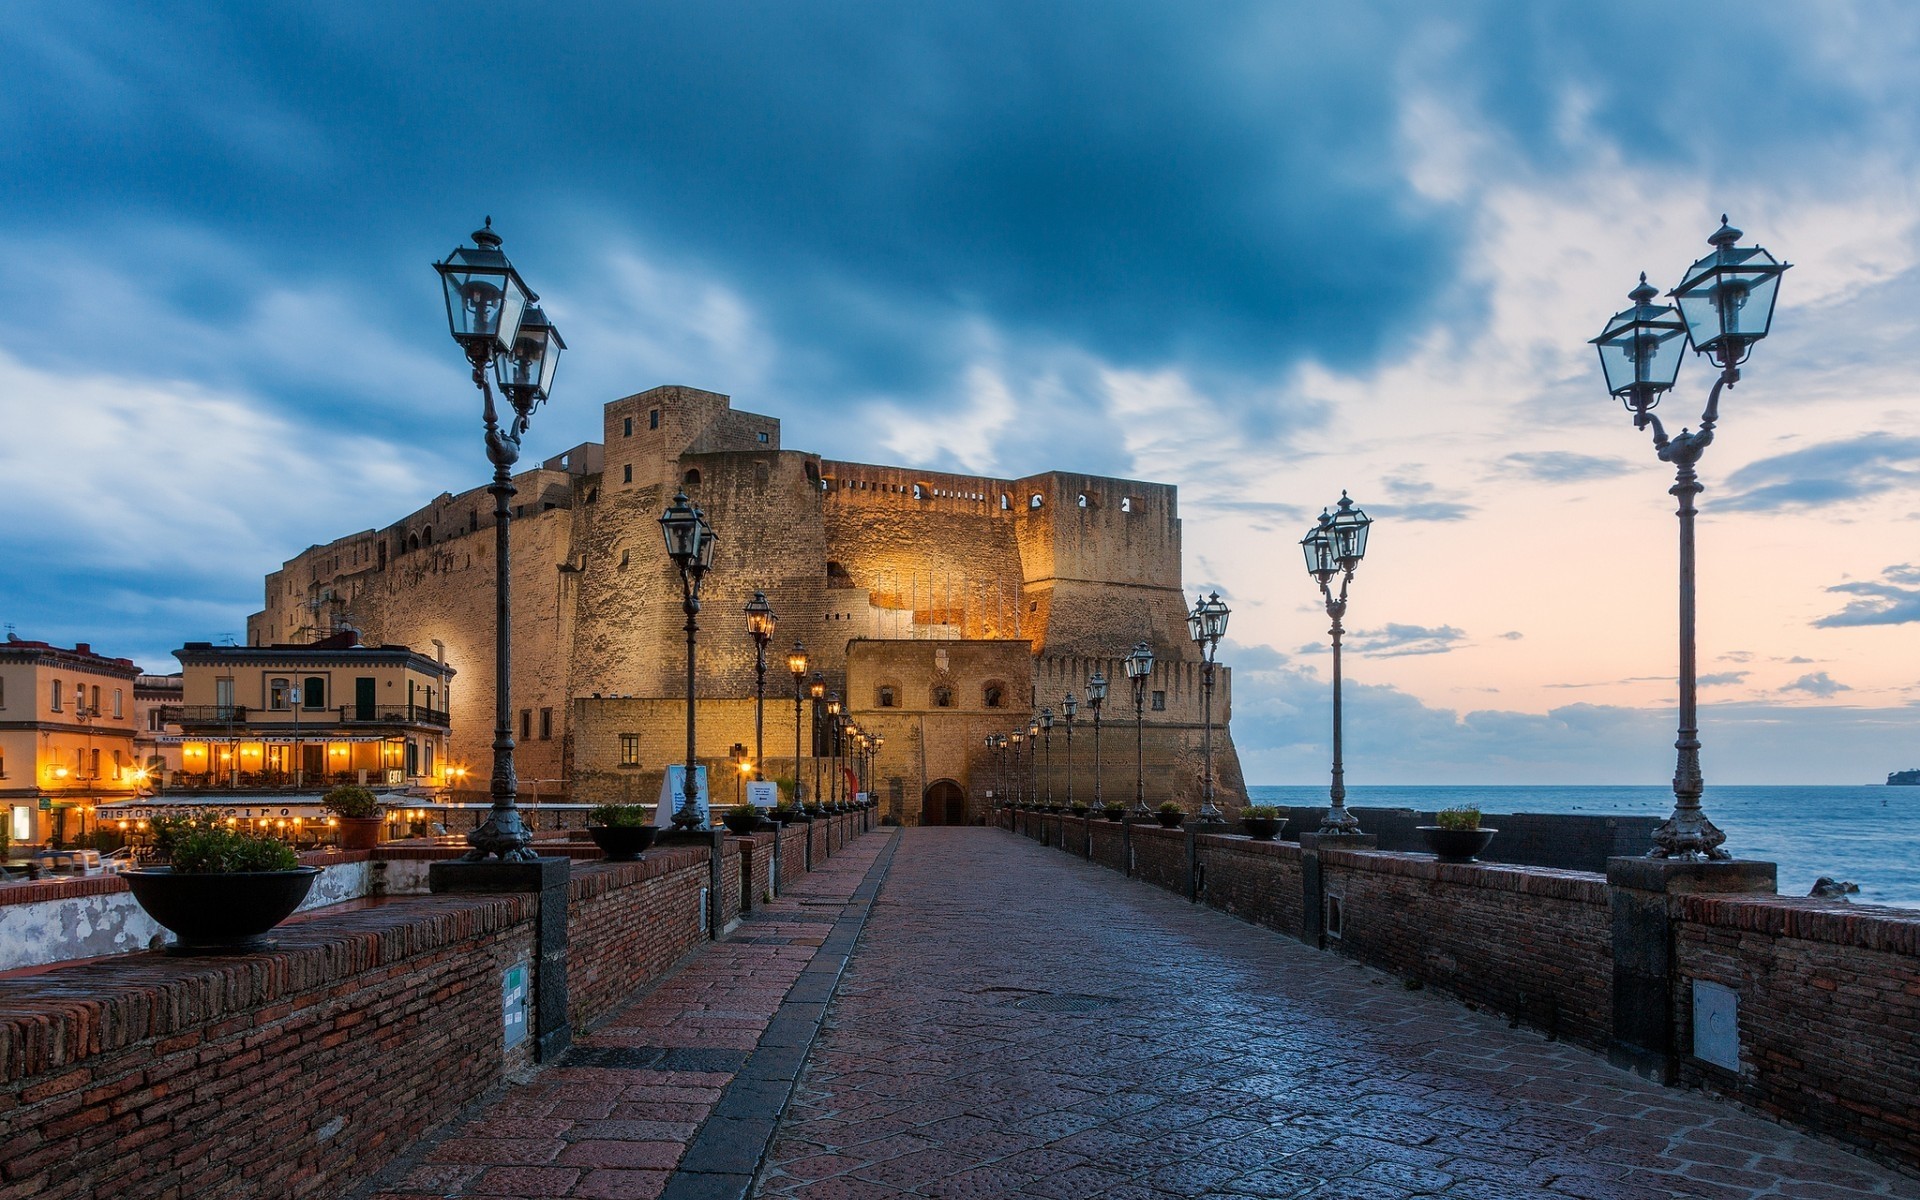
{"type": "Point", "coordinates": [1018, 1023]}
{"type": "Point", "coordinates": [694, 1068]}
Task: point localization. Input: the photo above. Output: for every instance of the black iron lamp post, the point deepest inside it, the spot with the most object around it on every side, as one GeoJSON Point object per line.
{"type": "Point", "coordinates": [1725, 305]}
{"type": "Point", "coordinates": [690, 543]}
{"type": "Point", "coordinates": [1096, 698]}
{"type": "Point", "coordinates": [496, 320]}
{"type": "Point", "coordinates": [1046, 743]}
{"type": "Point", "coordinates": [873, 768]}
{"type": "Point", "coordinates": [1015, 773]}
{"type": "Point", "coordinates": [1139, 664]}
{"type": "Point", "coordinates": [1207, 624]}
{"type": "Point", "coordinates": [760, 625]}
{"type": "Point", "coordinates": [817, 689]}
{"type": "Point", "coordinates": [737, 754]}
{"type": "Point", "coordinates": [833, 747]}
{"type": "Point", "coordinates": [1069, 708]}
{"type": "Point", "coordinates": [797, 663]}
{"type": "Point", "coordinates": [1332, 547]}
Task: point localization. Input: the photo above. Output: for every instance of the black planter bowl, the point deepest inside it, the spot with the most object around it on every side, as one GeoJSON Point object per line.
{"type": "Point", "coordinates": [1169, 820]}
{"type": "Point", "coordinates": [220, 914]}
{"type": "Point", "coordinates": [1262, 829]}
{"type": "Point", "coordinates": [1455, 845]}
{"type": "Point", "coordinates": [623, 843]}
{"type": "Point", "coordinates": [1114, 814]}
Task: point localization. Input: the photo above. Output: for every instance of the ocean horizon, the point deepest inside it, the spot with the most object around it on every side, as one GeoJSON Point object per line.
{"type": "Point", "coordinates": [1868, 834]}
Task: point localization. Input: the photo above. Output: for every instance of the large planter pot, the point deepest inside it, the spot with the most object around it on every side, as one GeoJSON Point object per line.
{"type": "Point", "coordinates": [741, 826]}
{"type": "Point", "coordinates": [361, 833]}
{"type": "Point", "coordinates": [1455, 845]}
{"type": "Point", "coordinates": [622, 843]}
{"type": "Point", "coordinates": [220, 914]}
{"type": "Point", "coordinates": [1169, 820]}
{"type": "Point", "coordinates": [1262, 829]}
{"type": "Point", "coordinates": [1116, 813]}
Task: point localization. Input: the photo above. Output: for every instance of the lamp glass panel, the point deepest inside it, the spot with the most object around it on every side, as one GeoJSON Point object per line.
{"type": "Point", "coordinates": [1318, 548]}
{"type": "Point", "coordinates": [1643, 350]}
{"type": "Point", "coordinates": [1196, 625]}
{"type": "Point", "coordinates": [1730, 295]}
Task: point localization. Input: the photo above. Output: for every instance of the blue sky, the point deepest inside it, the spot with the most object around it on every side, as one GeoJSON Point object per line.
{"type": "Point", "coordinates": [1264, 251]}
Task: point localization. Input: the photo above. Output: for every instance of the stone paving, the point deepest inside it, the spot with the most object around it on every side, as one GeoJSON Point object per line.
{"type": "Point", "coordinates": [643, 1092]}
{"type": "Point", "coordinates": [1018, 1023]}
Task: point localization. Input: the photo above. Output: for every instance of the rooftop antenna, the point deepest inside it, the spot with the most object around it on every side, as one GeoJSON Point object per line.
{"type": "Point", "coordinates": [11, 635]}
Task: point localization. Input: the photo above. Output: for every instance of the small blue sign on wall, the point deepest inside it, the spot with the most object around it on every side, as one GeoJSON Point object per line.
{"type": "Point", "coordinates": [513, 1004]}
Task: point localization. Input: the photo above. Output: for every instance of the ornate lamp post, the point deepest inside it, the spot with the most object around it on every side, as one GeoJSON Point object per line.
{"type": "Point", "coordinates": [1725, 305]}
{"type": "Point", "coordinates": [1096, 697]}
{"type": "Point", "coordinates": [1069, 708]}
{"type": "Point", "coordinates": [494, 317]}
{"type": "Point", "coordinates": [1033, 761]}
{"type": "Point", "coordinates": [737, 754]}
{"type": "Point", "coordinates": [797, 663]}
{"type": "Point", "coordinates": [690, 544]}
{"type": "Point", "coordinates": [833, 747]}
{"type": "Point", "coordinates": [873, 768]}
{"type": "Point", "coordinates": [760, 623]}
{"type": "Point", "coordinates": [1139, 664]}
{"type": "Point", "coordinates": [1332, 547]}
{"type": "Point", "coordinates": [817, 689]}
{"type": "Point", "coordinates": [1207, 624]}
{"type": "Point", "coordinates": [1046, 734]}
{"type": "Point", "coordinates": [1015, 777]}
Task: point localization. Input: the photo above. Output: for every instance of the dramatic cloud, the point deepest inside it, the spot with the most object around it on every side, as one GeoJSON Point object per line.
{"type": "Point", "coordinates": [1817, 684]}
{"type": "Point", "coordinates": [1826, 474]}
{"type": "Point", "coordinates": [1563, 466]}
{"type": "Point", "coordinates": [1891, 602]}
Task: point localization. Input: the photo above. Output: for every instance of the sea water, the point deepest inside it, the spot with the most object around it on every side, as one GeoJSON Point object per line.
{"type": "Point", "coordinates": [1864, 835]}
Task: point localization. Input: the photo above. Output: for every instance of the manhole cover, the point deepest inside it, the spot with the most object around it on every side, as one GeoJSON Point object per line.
{"type": "Point", "coordinates": [1062, 1004]}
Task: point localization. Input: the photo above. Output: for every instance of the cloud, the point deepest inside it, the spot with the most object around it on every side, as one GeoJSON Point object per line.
{"type": "Point", "coordinates": [1512, 635]}
{"type": "Point", "coordinates": [1396, 641]}
{"type": "Point", "coordinates": [1817, 684]}
{"type": "Point", "coordinates": [1723, 678]}
{"type": "Point", "coordinates": [1834, 472]}
{"type": "Point", "coordinates": [1887, 603]}
{"type": "Point", "coordinates": [1562, 466]}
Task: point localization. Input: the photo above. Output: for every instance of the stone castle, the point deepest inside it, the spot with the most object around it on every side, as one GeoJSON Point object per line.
{"type": "Point", "coordinates": [943, 608]}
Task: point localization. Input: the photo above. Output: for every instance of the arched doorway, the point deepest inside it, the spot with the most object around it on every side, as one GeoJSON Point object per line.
{"type": "Point", "coordinates": [944, 804]}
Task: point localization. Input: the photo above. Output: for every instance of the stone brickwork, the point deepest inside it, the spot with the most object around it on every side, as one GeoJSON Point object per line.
{"type": "Point", "coordinates": [1065, 570]}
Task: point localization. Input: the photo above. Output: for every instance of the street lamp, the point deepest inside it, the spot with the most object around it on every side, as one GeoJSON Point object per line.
{"type": "Point", "coordinates": [1096, 697]}
{"type": "Point", "coordinates": [1015, 779]}
{"type": "Point", "coordinates": [1046, 734]}
{"type": "Point", "coordinates": [1335, 546]}
{"type": "Point", "coordinates": [1139, 664]}
{"type": "Point", "coordinates": [492, 315]}
{"type": "Point", "coordinates": [760, 623]}
{"type": "Point", "coordinates": [797, 663]}
{"type": "Point", "coordinates": [738, 754]}
{"type": "Point", "coordinates": [1207, 624]}
{"type": "Point", "coordinates": [817, 690]}
{"type": "Point", "coordinates": [833, 747]}
{"type": "Point", "coordinates": [1069, 708]}
{"type": "Point", "coordinates": [690, 542]}
{"type": "Point", "coordinates": [1725, 305]}
{"type": "Point", "coordinates": [873, 768]}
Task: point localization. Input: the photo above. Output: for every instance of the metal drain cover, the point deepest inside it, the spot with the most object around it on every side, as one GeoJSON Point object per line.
{"type": "Point", "coordinates": [1062, 1004]}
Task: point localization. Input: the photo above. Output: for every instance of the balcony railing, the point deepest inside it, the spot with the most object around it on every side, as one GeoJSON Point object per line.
{"type": "Point", "coordinates": [283, 719]}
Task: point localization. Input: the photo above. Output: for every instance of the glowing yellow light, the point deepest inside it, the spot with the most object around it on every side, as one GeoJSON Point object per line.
{"type": "Point", "coordinates": [123, 825]}
{"type": "Point", "coordinates": [232, 821]}
{"type": "Point", "coordinates": [141, 825]}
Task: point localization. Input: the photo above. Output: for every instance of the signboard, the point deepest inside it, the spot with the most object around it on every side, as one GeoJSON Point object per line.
{"type": "Point", "coordinates": [1716, 1024]}
{"type": "Point", "coordinates": [673, 793]}
{"type": "Point", "coordinates": [513, 1004]}
{"type": "Point", "coordinates": [763, 793]}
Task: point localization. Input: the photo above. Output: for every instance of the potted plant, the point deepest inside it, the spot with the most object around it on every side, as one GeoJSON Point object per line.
{"type": "Point", "coordinates": [1170, 815]}
{"type": "Point", "coordinates": [741, 819]}
{"type": "Point", "coordinates": [223, 890]}
{"type": "Point", "coordinates": [1114, 812]}
{"type": "Point", "coordinates": [622, 831]}
{"type": "Point", "coordinates": [1261, 822]}
{"type": "Point", "coordinates": [1456, 835]}
{"type": "Point", "coordinates": [1079, 809]}
{"type": "Point", "coordinates": [358, 812]}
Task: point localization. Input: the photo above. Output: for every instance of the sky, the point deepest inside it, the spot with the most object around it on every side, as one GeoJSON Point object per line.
{"type": "Point", "coordinates": [1265, 252]}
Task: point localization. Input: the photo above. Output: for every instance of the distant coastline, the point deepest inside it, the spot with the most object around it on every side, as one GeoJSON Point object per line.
{"type": "Point", "coordinates": [1904, 778]}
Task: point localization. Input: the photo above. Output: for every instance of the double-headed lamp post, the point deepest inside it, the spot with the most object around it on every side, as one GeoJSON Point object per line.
{"type": "Point", "coordinates": [1335, 546]}
{"type": "Point", "coordinates": [760, 625]}
{"type": "Point", "coordinates": [690, 544]}
{"type": "Point", "coordinates": [1069, 709]}
{"type": "Point", "coordinates": [1096, 697]}
{"type": "Point", "coordinates": [1139, 664]}
{"type": "Point", "coordinates": [817, 689]}
{"type": "Point", "coordinates": [833, 747]}
{"type": "Point", "coordinates": [1207, 624]}
{"type": "Point", "coordinates": [497, 321]}
{"type": "Point", "coordinates": [1046, 748]}
{"type": "Point", "coordinates": [797, 663]}
{"type": "Point", "coordinates": [1724, 305]}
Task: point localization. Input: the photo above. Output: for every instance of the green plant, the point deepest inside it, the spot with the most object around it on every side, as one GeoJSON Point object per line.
{"type": "Point", "coordinates": [1172, 806]}
{"type": "Point", "coordinates": [741, 818]}
{"type": "Point", "coordinates": [1113, 809]}
{"type": "Point", "coordinates": [620, 814]}
{"type": "Point", "coordinates": [1261, 812]}
{"type": "Point", "coordinates": [351, 800]}
{"type": "Point", "coordinates": [1458, 818]}
{"type": "Point", "coordinates": [226, 852]}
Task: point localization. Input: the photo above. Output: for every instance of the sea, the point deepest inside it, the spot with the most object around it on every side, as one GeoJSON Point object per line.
{"type": "Point", "coordinates": [1865, 835]}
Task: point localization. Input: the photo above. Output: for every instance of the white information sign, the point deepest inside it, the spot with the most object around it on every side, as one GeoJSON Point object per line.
{"type": "Point", "coordinates": [763, 793]}
{"type": "Point", "coordinates": [673, 794]}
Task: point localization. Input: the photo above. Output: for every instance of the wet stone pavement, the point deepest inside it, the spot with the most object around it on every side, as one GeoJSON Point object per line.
{"type": "Point", "coordinates": [1017, 1023]}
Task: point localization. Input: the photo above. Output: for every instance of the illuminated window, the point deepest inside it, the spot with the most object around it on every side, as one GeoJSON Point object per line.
{"type": "Point", "coordinates": [629, 749]}
{"type": "Point", "coordinates": [278, 694]}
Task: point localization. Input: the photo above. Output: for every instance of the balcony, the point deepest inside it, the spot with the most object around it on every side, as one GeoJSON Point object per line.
{"type": "Point", "coordinates": [283, 720]}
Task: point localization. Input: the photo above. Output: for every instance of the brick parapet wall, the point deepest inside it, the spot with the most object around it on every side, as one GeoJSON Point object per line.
{"type": "Point", "coordinates": [627, 923]}
{"type": "Point", "coordinates": [1160, 856]}
{"type": "Point", "coordinates": [1258, 882]}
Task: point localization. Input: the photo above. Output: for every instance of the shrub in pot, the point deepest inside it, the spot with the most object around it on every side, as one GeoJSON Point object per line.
{"type": "Point", "coordinates": [622, 831]}
{"type": "Point", "coordinates": [1261, 822]}
{"type": "Point", "coordinates": [1078, 809]}
{"type": "Point", "coordinates": [741, 819]}
{"type": "Point", "coordinates": [1170, 815]}
{"type": "Point", "coordinates": [1456, 835]}
{"type": "Point", "coordinates": [223, 891]}
{"type": "Point", "coordinates": [1113, 812]}
{"type": "Point", "coordinates": [358, 811]}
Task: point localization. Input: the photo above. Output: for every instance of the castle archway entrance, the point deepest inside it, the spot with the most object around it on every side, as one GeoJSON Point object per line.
{"type": "Point", "coordinates": [943, 804]}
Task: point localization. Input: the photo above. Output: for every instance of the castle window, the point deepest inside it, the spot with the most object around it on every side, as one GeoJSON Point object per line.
{"type": "Point", "coordinates": [277, 690]}
{"type": "Point", "coordinates": [313, 695]}
{"type": "Point", "coordinates": [763, 438]}
{"type": "Point", "coordinates": [623, 559]}
{"type": "Point", "coordinates": [426, 535]}
{"type": "Point", "coordinates": [943, 697]}
{"type": "Point", "coordinates": [653, 418]}
{"type": "Point", "coordinates": [1081, 502]}
{"type": "Point", "coordinates": [1159, 701]}
{"type": "Point", "coordinates": [1006, 502]}
{"type": "Point", "coordinates": [526, 724]}
{"type": "Point", "coordinates": [1034, 501]}
{"type": "Point", "coordinates": [813, 472]}
{"type": "Point", "coordinates": [473, 520]}
{"type": "Point", "coordinates": [413, 543]}
{"type": "Point", "coordinates": [626, 473]}
{"type": "Point", "coordinates": [887, 696]}
{"type": "Point", "coordinates": [691, 478]}
{"type": "Point", "coordinates": [546, 724]}
{"type": "Point", "coordinates": [1126, 504]}
{"type": "Point", "coordinates": [629, 749]}
{"type": "Point", "coordinates": [593, 493]}
{"type": "Point", "coordinates": [626, 427]}
{"type": "Point", "coordinates": [994, 695]}
{"type": "Point", "coordinates": [919, 491]}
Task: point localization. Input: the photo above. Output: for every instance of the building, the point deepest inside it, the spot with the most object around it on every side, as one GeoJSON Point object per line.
{"type": "Point", "coordinates": [1022, 588]}
{"type": "Point", "coordinates": [66, 739]}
